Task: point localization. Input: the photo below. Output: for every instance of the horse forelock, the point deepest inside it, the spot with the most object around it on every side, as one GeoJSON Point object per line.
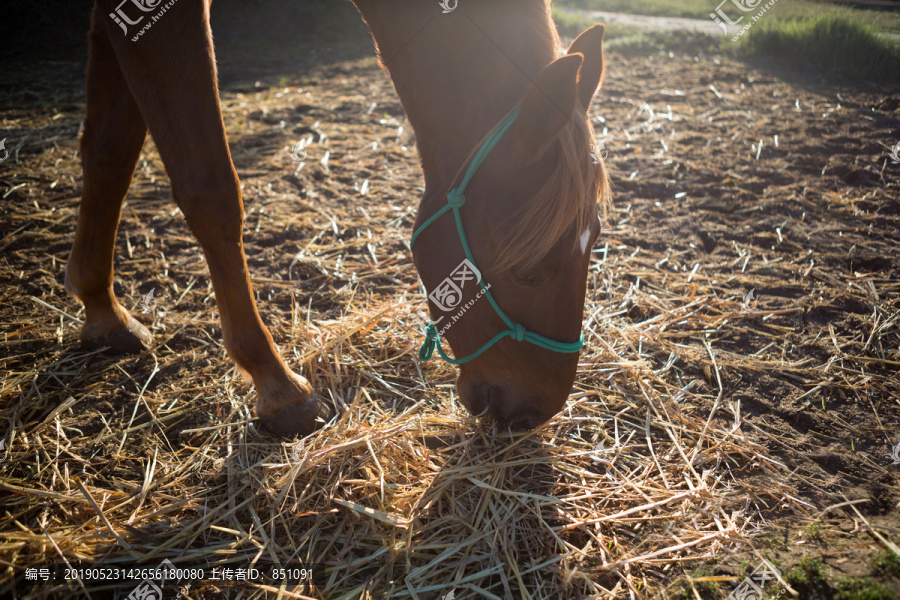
{"type": "Point", "coordinates": [565, 204]}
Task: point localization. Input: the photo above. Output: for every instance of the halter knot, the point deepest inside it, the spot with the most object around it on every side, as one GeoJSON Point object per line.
{"type": "Point", "coordinates": [456, 198]}
{"type": "Point", "coordinates": [519, 333]}
{"type": "Point", "coordinates": [430, 343]}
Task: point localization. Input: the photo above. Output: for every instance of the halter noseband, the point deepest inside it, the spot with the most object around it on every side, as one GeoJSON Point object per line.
{"type": "Point", "coordinates": [455, 200]}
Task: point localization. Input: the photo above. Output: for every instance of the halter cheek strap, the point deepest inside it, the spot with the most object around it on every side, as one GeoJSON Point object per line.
{"type": "Point", "coordinates": [455, 200]}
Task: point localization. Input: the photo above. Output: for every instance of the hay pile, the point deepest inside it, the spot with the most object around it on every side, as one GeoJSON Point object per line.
{"type": "Point", "coordinates": [404, 495]}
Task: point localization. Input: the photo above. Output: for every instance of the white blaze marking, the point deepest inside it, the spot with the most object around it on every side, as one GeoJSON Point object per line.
{"type": "Point", "coordinates": [584, 239]}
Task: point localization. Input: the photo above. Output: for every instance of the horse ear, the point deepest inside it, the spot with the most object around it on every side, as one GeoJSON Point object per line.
{"type": "Point", "coordinates": [590, 45]}
{"type": "Point", "coordinates": [548, 104]}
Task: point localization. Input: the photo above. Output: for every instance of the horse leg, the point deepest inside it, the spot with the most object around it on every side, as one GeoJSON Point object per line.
{"type": "Point", "coordinates": [114, 133]}
{"type": "Point", "coordinates": [171, 73]}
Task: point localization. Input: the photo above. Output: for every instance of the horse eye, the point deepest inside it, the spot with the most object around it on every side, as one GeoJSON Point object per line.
{"type": "Point", "coordinates": [526, 276]}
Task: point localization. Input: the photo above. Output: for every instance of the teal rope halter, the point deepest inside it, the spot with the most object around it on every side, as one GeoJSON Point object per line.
{"type": "Point", "coordinates": [455, 200]}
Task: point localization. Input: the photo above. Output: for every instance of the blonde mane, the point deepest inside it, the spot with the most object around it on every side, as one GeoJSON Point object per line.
{"type": "Point", "coordinates": [564, 205]}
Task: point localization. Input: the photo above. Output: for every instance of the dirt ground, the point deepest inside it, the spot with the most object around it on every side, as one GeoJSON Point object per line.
{"type": "Point", "coordinates": [810, 223]}
{"type": "Point", "coordinates": [727, 177]}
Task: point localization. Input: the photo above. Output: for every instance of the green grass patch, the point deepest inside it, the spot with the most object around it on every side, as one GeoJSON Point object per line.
{"type": "Point", "coordinates": [661, 8]}
{"type": "Point", "coordinates": [809, 573]}
{"type": "Point", "coordinates": [570, 25]}
{"type": "Point", "coordinates": [839, 41]}
{"type": "Point", "coordinates": [862, 589]}
{"type": "Point", "coordinates": [885, 562]}
{"type": "Point", "coordinates": [635, 40]}
{"type": "Point", "coordinates": [832, 41]}
{"type": "Point", "coordinates": [813, 530]}
{"type": "Point", "coordinates": [706, 588]}
{"type": "Point", "coordinates": [882, 20]}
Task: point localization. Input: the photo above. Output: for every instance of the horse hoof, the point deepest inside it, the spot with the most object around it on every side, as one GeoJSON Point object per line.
{"type": "Point", "coordinates": [132, 338]}
{"type": "Point", "coordinates": [302, 418]}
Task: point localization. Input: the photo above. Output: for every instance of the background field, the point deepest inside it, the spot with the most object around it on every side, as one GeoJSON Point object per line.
{"type": "Point", "coordinates": [784, 9]}
{"type": "Point", "coordinates": [705, 433]}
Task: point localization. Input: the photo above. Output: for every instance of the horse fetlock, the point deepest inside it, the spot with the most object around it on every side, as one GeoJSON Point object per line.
{"type": "Point", "coordinates": [121, 334]}
{"type": "Point", "coordinates": [291, 407]}
{"type": "Point", "coordinates": [92, 286]}
{"type": "Point", "coordinates": [107, 323]}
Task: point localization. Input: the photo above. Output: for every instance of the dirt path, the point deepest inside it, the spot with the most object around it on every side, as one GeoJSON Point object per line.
{"type": "Point", "coordinates": [662, 23]}
{"type": "Point", "coordinates": [707, 26]}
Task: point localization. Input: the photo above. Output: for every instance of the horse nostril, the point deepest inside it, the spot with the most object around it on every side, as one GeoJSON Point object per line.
{"type": "Point", "coordinates": [522, 424]}
{"type": "Point", "coordinates": [505, 405]}
{"type": "Point", "coordinates": [525, 423]}
{"type": "Point", "coordinates": [481, 399]}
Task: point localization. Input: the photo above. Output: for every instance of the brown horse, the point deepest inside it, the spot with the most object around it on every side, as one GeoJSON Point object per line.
{"type": "Point", "coordinates": [530, 215]}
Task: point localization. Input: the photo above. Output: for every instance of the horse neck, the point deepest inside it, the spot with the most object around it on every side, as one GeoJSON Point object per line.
{"type": "Point", "coordinates": [458, 74]}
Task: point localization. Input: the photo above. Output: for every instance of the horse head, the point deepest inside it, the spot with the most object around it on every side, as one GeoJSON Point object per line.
{"type": "Point", "coordinates": [506, 261]}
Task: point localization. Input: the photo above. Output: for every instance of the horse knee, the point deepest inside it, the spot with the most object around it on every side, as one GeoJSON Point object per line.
{"type": "Point", "coordinates": [108, 153]}
{"type": "Point", "coordinates": [215, 214]}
